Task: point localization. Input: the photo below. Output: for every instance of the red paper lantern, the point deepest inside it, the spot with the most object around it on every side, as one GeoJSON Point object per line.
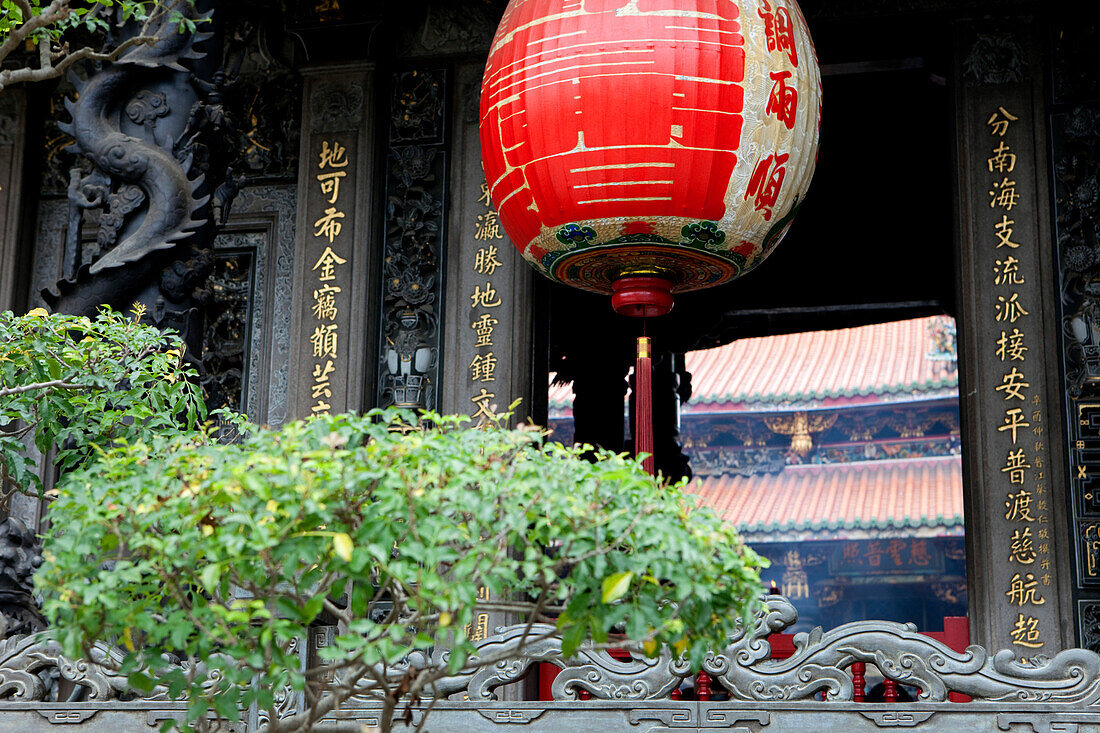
{"type": "Point", "coordinates": [646, 147]}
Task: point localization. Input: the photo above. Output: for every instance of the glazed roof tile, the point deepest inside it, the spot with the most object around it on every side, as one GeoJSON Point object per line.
{"type": "Point", "coordinates": [885, 362]}
{"type": "Point", "coordinates": [902, 494]}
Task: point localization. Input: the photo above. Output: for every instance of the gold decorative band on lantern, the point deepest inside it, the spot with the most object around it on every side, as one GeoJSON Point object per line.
{"type": "Point", "coordinates": [645, 347]}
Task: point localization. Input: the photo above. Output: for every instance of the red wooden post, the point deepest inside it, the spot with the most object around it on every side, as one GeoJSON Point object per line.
{"type": "Point", "coordinates": [584, 694]}
{"type": "Point", "coordinates": [890, 690]}
{"type": "Point", "coordinates": [956, 630]}
{"type": "Point", "coordinates": [702, 686]}
{"type": "Point", "coordinates": [676, 694]}
{"type": "Point", "coordinates": [859, 682]}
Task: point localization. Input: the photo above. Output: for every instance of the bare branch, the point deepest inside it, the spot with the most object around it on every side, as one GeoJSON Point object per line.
{"type": "Point", "coordinates": [54, 383]}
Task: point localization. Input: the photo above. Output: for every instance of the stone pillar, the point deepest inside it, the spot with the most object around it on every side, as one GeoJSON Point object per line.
{"type": "Point", "coordinates": [1016, 527]}
{"type": "Point", "coordinates": [332, 330]}
{"type": "Point", "coordinates": [12, 141]}
{"type": "Point", "coordinates": [488, 345]}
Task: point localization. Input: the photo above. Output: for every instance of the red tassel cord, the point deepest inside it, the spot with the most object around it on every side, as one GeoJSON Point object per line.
{"type": "Point", "coordinates": [643, 404]}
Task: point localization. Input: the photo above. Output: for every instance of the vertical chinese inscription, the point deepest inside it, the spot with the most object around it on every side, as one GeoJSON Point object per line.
{"type": "Point", "coordinates": [412, 267]}
{"type": "Point", "coordinates": [1019, 420]}
{"type": "Point", "coordinates": [484, 302]}
{"type": "Point", "coordinates": [323, 332]}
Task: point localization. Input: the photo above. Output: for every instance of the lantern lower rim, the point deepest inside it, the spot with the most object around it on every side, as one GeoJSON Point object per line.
{"type": "Point", "coordinates": [641, 296]}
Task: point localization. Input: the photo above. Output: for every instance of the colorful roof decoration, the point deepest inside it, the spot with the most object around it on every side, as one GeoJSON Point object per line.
{"type": "Point", "coordinates": [911, 497]}
{"type": "Point", "coordinates": [887, 362]}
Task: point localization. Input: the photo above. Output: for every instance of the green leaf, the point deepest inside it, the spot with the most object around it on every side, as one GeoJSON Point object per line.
{"type": "Point", "coordinates": [616, 585]}
{"type": "Point", "coordinates": [343, 546]}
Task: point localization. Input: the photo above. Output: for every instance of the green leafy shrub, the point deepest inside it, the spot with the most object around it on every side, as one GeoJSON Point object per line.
{"type": "Point", "coordinates": [224, 554]}
{"type": "Point", "coordinates": [77, 385]}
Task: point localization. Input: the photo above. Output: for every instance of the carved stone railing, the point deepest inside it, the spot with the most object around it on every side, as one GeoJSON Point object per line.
{"type": "Point", "coordinates": [812, 690]}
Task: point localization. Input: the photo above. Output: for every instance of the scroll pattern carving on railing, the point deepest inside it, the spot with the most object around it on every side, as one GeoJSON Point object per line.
{"type": "Point", "coordinates": [820, 664]}
{"type": "Point", "coordinates": [30, 667]}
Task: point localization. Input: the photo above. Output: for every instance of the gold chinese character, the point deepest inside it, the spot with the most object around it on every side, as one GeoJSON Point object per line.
{"type": "Point", "coordinates": [1044, 534]}
{"type": "Point", "coordinates": [484, 197]}
{"type": "Point", "coordinates": [486, 410]}
{"type": "Point", "coordinates": [324, 302]}
{"type": "Point", "coordinates": [1003, 161]}
{"type": "Point", "coordinates": [329, 225]}
{"type": "Point", "coordinates": [1018, 507]}
{"type": "Point", "coordinates": [321, 389]}
{"type": "Point", "coordinates": [1011, 346]}
{"type": "Point", "coordinates": [333, 157]}
{"type": "Point", "coordinates": [1015, 464]}
{"type": "Point", "coordinates": [1003, 232]}
{"type": "Point", "coordinates": [1045, 563]}
{"type": "Point", "coordinates": [1023, 551]}
{"type": "Point", "coordinates": [330, 184]}
{"type": "Point", "coordinates": [999, 121]}
{"type": "Point", "coordinates": [485, 261]}
{"type": "Point", "coordinates": [1024, 590]}
{"type": "Point", "coordinates": [1011, 384]}
{"type": "Point", "coordinates": [320, 374]}
{"type": "Point", "coordinates": [488, 226]}
{"type": "Point", "coordinates": [486, 298]}
{"type": "Point", "coordinates": [1025, 632]}
{"type": "Point", "coordinates": [1009, 310]}
{"type": "Point", "coordinates": [321, 408]}
{"type": "Point", "coordinates": [1014, 419]}
{"type": "Point", "coordinates": [323, 341]}
{"type": "Point", "coordinates": [1004, 195]}
{"type": "Point", "coordinates": [1007, 272]}
{"type": "Point", "coordinates": [1047, 578]}
{"type": "Point", "coordinates": [483, 328]}
{"type": "Point", "coordinates": [481, 629]}
{"type": "Point", "coordinates": [328, 262]}
{"type": "Point", "coordinates": [483, 368]}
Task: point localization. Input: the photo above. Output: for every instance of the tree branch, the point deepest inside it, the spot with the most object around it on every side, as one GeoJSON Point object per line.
{"type": "Point", "coordinates": [58, 383]}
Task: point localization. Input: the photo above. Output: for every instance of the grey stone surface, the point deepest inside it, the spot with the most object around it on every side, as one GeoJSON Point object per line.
{"type": "Point", "coordinates": [1019, 596]}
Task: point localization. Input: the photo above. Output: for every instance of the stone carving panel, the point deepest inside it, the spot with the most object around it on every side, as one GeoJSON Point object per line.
{"type": "Point", "coordinates": [414, 242]}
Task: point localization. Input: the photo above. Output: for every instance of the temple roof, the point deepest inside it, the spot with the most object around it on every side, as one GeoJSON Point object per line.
{"type": "Point", "coordinates": [905, 497]}
{"type": "Point", "coordinates": [885, 362]}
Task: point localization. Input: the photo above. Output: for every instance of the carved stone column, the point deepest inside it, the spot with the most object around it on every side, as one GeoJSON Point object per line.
{"type": "Point", "coordinates": [1016, 527]}
{"type": "Point", "coordinates": [12, 141]}
{"type": "Point", "coordinates": [488, 345]}
{"type": "Point", "coordinates": [332, 331]}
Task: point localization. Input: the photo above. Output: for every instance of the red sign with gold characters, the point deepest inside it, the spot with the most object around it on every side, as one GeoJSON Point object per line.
{"type": "Point", "coordinates": [649, 136]}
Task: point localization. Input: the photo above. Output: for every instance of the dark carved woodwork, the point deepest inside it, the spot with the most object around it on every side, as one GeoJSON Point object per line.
{"type": "Point", "coordinates": [416, 169]}
{"type": "Point", "coordinates": [1075, 138]}
{"type": "Point", "coordinates": [20, 556]}
{"type": "Point", "coordinates": [994, 58]}
{"type": "Point", "coordinates": [226, 297]}
{"type": "Point", "coordinates": [1089, 612]}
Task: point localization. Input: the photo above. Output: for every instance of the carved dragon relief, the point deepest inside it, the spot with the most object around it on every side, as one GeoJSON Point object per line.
{"type": "Point", "coordinates": [152, 202]}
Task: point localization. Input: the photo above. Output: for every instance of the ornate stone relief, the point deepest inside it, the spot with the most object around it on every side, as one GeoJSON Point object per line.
{"type": "Point", "coordinates": [994, 58]}
{"type": "Point", "coordinates": [414, 232]}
